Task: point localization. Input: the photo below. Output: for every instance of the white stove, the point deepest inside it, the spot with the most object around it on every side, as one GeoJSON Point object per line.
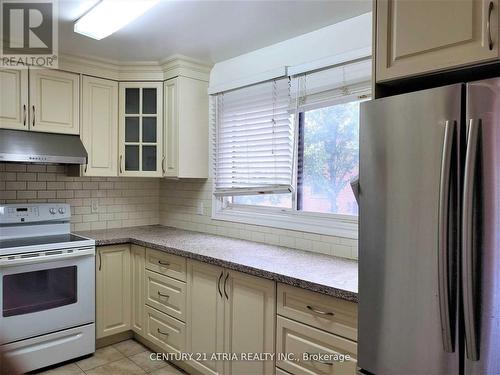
{"type": "Point", "coordinates": [47, 286]}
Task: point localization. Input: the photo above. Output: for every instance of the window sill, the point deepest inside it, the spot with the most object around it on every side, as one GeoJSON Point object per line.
{"type": "Point", "coordinates": [325, 224]}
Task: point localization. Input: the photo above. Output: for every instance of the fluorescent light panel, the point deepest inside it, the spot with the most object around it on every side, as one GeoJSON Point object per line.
{"type": "Point", "coordinates": [109, 16]}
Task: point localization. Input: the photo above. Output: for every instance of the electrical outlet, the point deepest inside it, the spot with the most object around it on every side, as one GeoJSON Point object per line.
{"type": "Point", "coordinates": [94, 206]}
{"type": "Point", "coordinates": [200, 210]}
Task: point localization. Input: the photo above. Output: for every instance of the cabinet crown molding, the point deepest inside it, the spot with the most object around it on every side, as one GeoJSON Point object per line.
{"type": "Point", "coordinates": [173, 66]}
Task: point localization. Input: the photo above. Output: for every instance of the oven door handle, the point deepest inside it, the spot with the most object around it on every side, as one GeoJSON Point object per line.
{"type": "Point", "coordinates": [46, 256]}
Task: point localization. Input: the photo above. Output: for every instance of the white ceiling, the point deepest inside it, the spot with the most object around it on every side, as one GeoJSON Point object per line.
{"type": "Point", "coordinates": [210, 31]}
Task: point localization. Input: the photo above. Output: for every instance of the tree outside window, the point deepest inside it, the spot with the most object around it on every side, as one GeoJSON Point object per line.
{"type": "Point", "coordinates": [328, 159]}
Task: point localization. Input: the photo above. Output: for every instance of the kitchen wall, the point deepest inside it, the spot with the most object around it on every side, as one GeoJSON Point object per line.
{"type": "Point", "coordinates": [127, 202]}
{"type": "Point", "coordinates": [122, 202]}
{"type": "Point", "coordinates": [180, 201]}
{"type": "Point", "coordinates": [331, 44]}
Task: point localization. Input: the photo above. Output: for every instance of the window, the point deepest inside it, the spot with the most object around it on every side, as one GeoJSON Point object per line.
{"type": "Point", "coordinates": [328, 159]}
{"type": "Point", "coordinates": [254, 140]}
{"type": "Point", "coordinates": [325, 160]}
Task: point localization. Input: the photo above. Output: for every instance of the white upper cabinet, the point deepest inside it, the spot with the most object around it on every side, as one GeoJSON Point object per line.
{"type": "Point", "coordinates": [186, 128]}
{"type": "Point", "coordinates": [42, 100]}
{"type": "Point", "coordinates": [99, 131]}
{"type": "Point", "coordinates": [140, 131]}
{"type": "Point", "coordinates": [415, 36]}
{"type": "Point", "coordinates": [54, 101]}
{"type": "Point", "coordinates": [14, 98]}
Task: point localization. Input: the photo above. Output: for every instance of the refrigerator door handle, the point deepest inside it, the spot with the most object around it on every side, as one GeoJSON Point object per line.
{"type": "Point", "coordinates": [443, 274]}
{"type": "Point", "coordinates": [355, 187]}
{"type": "Point", "coordinates": [472, 348]}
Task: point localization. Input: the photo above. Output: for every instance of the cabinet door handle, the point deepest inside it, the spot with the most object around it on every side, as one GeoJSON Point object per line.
{"type": "Point", "coordinates": [320, 312]}
{"type": "Point", "coordinates": [100, 261]}
{"type": "Point", "coordinates": [121, 157]}
{"type": "Point", "coordinates": [24, 114]}
{"type": "Point", "coordinates": [160, 331]}
{"type": "Point", "coordinates": [225, 282]}
{"type": "Point", "coordinates": [162, 295]}
{"type": "Point", "coordinates": [488, 25]}
{"type": "Point", "coordinates": [218, 283]}
{"type": "Point", "coordinates": [163, 263]}
{"type": "Point", "coordinates": [319, 361]}
{"type": "Point", "coordinates": [33, 107]}
{"type": "Point", "coordinates": [86, 164]}
{"type": "Point", "coordinates": [163, 165]}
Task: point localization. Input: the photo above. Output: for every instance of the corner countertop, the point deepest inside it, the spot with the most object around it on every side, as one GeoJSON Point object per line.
{"type": "Point", "coordinates": [325, 274]}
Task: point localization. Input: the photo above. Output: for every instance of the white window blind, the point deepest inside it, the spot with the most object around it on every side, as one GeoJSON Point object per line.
{"type": "Point", "coordinates": [253, 140]}
{"type": "Point", "coordinates": [332, 85]}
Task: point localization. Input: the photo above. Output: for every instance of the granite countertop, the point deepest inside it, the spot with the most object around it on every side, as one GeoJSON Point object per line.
{"type": "Point", "coordinates": [325, 274]}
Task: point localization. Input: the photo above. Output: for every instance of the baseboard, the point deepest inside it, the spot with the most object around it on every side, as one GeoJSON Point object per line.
{"type": "Point", "coordinates": [113, 339]}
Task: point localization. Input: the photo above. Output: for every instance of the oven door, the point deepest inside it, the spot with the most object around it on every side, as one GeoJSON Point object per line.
{"type": "Point", "coordinates": [43, 293]}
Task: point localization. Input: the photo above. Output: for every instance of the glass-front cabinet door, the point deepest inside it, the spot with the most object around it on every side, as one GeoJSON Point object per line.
{"type": "Point", "coordinates": [141, 128]}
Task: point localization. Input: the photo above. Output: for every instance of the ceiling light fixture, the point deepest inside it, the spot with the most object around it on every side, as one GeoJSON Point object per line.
{"type": "Point", "coordinates": [108, 16]}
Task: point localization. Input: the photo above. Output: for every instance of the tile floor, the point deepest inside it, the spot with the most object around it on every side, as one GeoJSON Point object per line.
{"type": "Point", "coordinates": [124, 358]}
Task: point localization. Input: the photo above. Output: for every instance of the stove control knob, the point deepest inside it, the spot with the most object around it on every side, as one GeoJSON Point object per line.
{"type": "Point", "coordinates": [62, 210]}
{"type": "Point", "coordinates": [53, 211]}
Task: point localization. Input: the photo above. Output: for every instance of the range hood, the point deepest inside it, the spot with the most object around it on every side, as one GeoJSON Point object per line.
{"type": "Point", "coordinates": [35, 147]}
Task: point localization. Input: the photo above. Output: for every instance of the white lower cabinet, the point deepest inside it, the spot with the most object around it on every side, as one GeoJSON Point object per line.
{"type": "Point", "coordinates": [205, 315]}
{"type": "Point", "coordinates": [166, 294]}
{"type": "Point", "coordinates": [281, 372]}
{"type": "Point", "coordinates": [249, 321]}
{"type": "Point", "coordinates": [138, 257]}
{"type": "Point", "coordinates": [182, 305]}
{"type": "Point", "coordinates": [230, 312]}
{"type": "Point", "coordinates": [315, 351]}
{"type": "Point", "coordinates": [166, 332]}
{"type": "Point", "coordinates": [320, 331]}
{"type": "Point", "coordinates": [113, 307]}
{"type": "Point", "coordinates": [166, 264]}
{"type": "Point", "coordinates": [165, 300]}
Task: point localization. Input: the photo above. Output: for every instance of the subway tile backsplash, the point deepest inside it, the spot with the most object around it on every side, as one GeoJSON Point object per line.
{"type": "Point", "coordinates": [126, 201]}
{"type": "Point", "coordinates": [122, 202]}
{"type": "Point", "coordinates": [179, 202]}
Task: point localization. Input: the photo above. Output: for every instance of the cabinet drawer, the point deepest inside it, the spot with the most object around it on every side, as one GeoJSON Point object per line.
{"type": "Point", "coordinates": [166, 332]}
{"type": "Point", "coordinates": [299, 339]}
{"type": "Point", "coordinates": [166, 264]}
{"type": "Point", "coordinates": [328, 313]}
{"type": "Point", "coordinates": [281, 372]}
{"type": "Point", "coordinates": [166, 294]}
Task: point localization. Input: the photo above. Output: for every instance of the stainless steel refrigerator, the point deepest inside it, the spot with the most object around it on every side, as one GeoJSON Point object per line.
{"type": "Point", "coordinates": [429, 245]}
